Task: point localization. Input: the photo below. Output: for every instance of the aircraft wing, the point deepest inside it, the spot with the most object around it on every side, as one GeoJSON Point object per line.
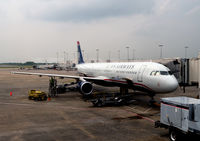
{"type": "Point", "coordinates": [46, 74]}
{"type": "Point", "coordinates": [98, 80]}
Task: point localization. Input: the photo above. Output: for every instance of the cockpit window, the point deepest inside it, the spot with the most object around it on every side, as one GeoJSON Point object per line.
{"type": "Point", "coordinates": [170, 73]}
{"type": "Point", "coordinates": [152, 73]}
{"type": "Point", "coordinates": [164, 73]}
{"type": "Point", "coordinates": [156, 73]}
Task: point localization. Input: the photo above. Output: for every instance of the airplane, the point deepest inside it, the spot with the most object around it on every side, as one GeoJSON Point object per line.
{"type": "Point", "coordinates": [45, 67]}
{"type": "Point", "coordinates": [149, 77]}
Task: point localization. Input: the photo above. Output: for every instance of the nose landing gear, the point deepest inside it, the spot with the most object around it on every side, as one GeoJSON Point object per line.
{"type": "Point", "coordinates": [152, 101]}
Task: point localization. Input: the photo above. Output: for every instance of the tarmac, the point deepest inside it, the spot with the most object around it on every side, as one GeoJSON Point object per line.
{"type": "Point", "coordinates": [69, 117]}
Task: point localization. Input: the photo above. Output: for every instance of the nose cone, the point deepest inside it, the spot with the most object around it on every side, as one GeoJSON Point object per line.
{"type": "Point", "coordinates": [168, 84]}
{"type": "Point", "coordinates": [172, 84]}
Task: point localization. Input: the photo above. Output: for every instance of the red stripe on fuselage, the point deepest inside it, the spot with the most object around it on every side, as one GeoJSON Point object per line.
{"type": "Point", "coordinates": [124, 82]}
{"type": "Point", "coordinates": [115, 81]}
{"type": "Point", "coordinates": [143, 86]}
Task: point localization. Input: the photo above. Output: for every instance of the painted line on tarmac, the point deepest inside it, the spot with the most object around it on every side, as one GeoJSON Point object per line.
{"type": "Point", "coordinates": [143, 117]}
{"type": "Point", "coordinates": [147, 110]}
{"type": "Point", "coordinates": [20, 104]}
{"type": "Point", "coordinates": [84, 130]}
{"type": "Point", "coordinates": [78, 126]}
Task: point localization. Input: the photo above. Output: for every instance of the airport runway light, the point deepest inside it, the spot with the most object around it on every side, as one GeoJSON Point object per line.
{"type": "Point", "coordinates": [186, 47]}
{"type": "Point", "coordinates": [161, 46]}
{"type": "Point", "coordinates": [97, 50]}
{"type": "Point", "coordinates": [127, 53]}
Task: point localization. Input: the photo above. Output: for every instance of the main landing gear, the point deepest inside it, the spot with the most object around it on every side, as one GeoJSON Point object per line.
{"type": "Point", "coordinates": [52, 87]}
{"type": "Point", "coordinates": [55, 89]}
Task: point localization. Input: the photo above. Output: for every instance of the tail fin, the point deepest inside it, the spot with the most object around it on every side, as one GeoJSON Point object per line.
{"type": "Point", "coordinates": [80, 56]}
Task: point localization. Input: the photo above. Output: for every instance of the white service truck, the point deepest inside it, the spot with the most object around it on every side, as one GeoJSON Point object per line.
{"type": "Point", "coordinates": [181, 115]}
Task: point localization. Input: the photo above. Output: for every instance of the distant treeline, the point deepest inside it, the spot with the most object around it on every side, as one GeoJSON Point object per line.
{"type": "Point", "coordinates": [24, 64]}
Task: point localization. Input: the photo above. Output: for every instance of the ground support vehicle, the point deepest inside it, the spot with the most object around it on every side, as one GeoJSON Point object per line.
{"type": "Point", "coordinates": [103, 99]}
{"type": "Point", "coordinates": [181, 115]}
{"type": "Point", "coordinates": [37, 95]}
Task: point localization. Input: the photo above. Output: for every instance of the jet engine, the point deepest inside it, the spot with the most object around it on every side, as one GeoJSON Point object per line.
{"type": "Point", "coordinates": [85, 87]}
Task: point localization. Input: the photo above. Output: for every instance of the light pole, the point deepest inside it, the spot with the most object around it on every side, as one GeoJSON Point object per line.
{"type": "Point", "coordinates": [186, 47]}
{"type": "Point", "coordinates": [184, 69]}
{"type": "Point", "coordinates": [64, 57]}
{"type": "Point", "coordinates": [109, 56]}
{"type": "Point", "coordinates": [97, 55]}
{"type": "Point", "coordinates": [57, 57]}
{"type": "Point", "coordinates": [74, 54]}
{"type": "Point", "coordinates": [119, 55]}
{"type": "Point", "coordinates": [67, 59]}
{"type": "Point", "coordinates": [133, 54]}
{"type": "Point", "coordinates": [160, 50]}
{"type": "Point", "coordinates": [127, 53]}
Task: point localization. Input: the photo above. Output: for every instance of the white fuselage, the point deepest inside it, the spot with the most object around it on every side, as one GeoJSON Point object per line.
{"type": "Point", "coordinates": [149, 75]}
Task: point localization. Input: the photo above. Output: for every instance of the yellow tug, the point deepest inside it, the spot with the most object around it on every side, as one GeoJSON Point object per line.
{"type": "Point", "coordinates": [37, 95]}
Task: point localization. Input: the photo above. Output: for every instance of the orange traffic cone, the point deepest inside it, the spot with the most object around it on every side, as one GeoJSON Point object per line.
{"type": "Point", "coordinates": [49, 98]}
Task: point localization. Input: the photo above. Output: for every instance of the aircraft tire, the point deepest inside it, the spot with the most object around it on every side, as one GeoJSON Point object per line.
{"type": "Point", "coordinates": [98, 103]}
{"type": "Point", "coordinates": [45, 98]}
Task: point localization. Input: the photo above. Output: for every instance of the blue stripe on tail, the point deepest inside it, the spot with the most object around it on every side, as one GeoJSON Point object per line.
{"type": "Point", "coordinates": [80, 56]}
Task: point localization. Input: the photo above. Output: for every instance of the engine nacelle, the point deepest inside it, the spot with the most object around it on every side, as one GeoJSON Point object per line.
{"type": "Point", "coordinates": [86, 88]}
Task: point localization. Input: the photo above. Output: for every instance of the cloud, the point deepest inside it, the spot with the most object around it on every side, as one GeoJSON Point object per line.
{"type": "Point", "coordinates": [88, 10]}
{"type": "Point", "coordinates": [194, 10]}
{"type": "Point", "coordinates": [40, 28]}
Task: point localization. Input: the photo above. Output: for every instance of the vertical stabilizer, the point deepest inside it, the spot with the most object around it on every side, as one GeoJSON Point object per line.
{"type": "Point", "coordinates": [80, 56]}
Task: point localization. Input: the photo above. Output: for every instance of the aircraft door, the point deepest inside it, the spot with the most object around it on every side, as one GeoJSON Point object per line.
{"type": "Point", "coordinates": [141, 73]}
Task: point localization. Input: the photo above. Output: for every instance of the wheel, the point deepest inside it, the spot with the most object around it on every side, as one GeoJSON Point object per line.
{"type": "Point", "coordinates": [45, 98]}
{"type": "Point", "coordinates": [98, 103]}
{"type": "Point", "coordinates": [151, 103]}
{"type": "Point", "coordinates": [29, 97]}
{"type": "Point", "coordinates": [174, 135]}
{"type": "Point", "coordinates": [39, 98]}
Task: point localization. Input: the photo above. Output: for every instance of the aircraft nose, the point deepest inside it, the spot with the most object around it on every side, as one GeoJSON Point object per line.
{"type": "Point", "coordinates": [173, 84]}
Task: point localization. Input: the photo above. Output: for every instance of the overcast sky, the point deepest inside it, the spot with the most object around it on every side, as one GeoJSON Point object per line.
{"type": "Point", "coordinates": [35, 30]}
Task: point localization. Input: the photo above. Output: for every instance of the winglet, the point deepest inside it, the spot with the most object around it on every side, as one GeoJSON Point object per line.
{"type": "Point", "coordinates": [80, 56]}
